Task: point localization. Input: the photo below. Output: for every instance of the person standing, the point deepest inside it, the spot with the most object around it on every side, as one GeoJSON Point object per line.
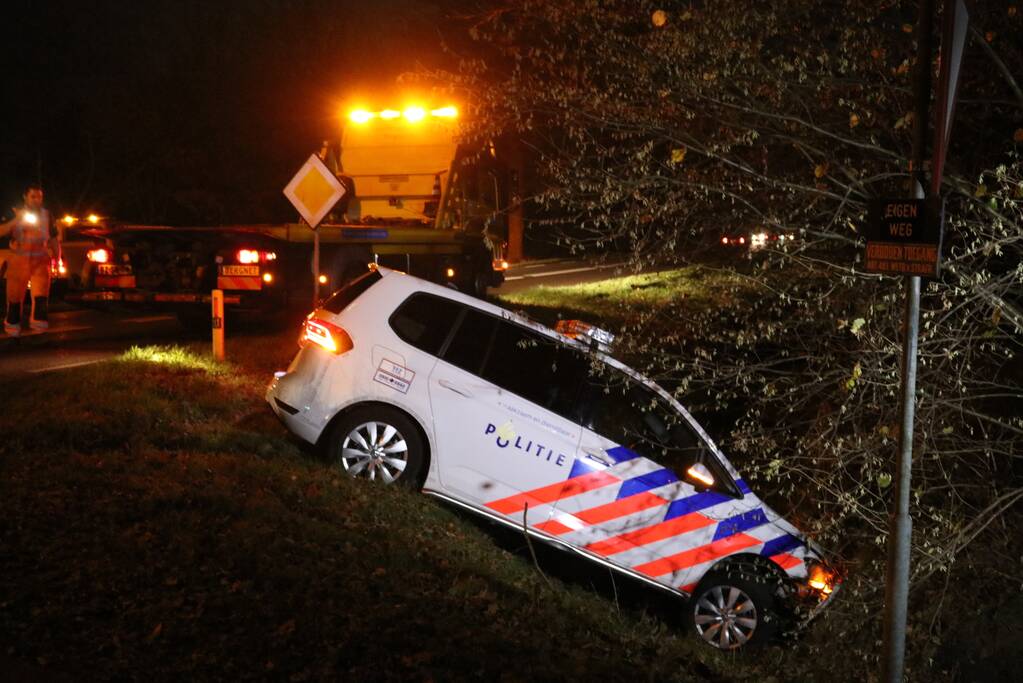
{"type": "Point", "coordinates": [33, 242]}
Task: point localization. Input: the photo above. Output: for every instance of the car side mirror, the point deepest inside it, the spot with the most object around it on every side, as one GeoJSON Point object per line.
{"type": "Point", "coordinates": [699, 475]}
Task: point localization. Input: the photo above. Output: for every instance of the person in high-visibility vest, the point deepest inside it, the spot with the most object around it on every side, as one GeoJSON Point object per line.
{"type": "Point", "coordinates": [33, 243]}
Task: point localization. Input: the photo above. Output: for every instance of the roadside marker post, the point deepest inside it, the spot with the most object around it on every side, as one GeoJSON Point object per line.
{"type": "Point", "coordinates": [217, 305]}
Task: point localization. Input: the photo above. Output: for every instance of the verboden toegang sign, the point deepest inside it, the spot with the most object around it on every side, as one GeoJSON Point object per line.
{"type": "Point", "coordinates": [904, 236]}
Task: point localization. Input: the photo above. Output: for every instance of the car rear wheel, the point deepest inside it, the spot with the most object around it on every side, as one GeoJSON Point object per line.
{"type": "Point", "coordinates": [377, 443]}
{"type": "Point", "coordinates": [735, 607]}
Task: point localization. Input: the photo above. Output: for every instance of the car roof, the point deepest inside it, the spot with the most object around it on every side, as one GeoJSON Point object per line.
{"type": "Point", "coordinates": [416, 284]}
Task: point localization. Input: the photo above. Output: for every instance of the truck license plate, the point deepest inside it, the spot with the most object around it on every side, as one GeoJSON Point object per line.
{"type": "Point", "coordinates": [241, 270]}
{"type": "Point", "coordinates": [112, 269]}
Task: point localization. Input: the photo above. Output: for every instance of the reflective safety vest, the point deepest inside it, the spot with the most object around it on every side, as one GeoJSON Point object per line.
{"type": "Point", "coordinates": [31, 240]}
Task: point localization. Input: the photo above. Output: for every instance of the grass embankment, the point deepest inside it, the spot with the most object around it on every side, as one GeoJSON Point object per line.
{"type": "Point", "coordinates": [157, 523]}
{"type": "Point", "coordinates": [618, 300]}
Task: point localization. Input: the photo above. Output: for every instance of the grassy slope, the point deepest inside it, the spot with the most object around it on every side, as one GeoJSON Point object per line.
{"type": "Point", "coordinates": [156, 523]}
{"type": "Point", "coordinates": [617, 300]}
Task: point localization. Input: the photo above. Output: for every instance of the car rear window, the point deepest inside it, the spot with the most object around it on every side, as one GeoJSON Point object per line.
{"type": "Point", "coordinates": [340, 300]}
{"type": "Point", "coordinates": [424, 321]}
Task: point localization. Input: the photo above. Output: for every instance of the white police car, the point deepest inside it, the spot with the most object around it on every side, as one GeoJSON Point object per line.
{"type": "Point", "coordinates": [402, 380]}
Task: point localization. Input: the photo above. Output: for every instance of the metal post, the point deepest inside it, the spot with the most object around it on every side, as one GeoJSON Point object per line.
{"type": "Point", "coordinates": [901, 525]}
{"type": "Point", "coordinates": [316, 268]}
{"type": "Point", "coordinates": [217, 301]}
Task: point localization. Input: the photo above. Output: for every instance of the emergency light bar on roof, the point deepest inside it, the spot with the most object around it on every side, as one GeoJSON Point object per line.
{"type": "Point", "coordinates": [584, 332]}
{"type": "Point", "coordinates": [412, 114]}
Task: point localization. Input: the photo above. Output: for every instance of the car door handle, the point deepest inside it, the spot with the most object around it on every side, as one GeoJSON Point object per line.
{"type": "Point", "coordinates": [451, 386]}
{"type": "Point", "coordinates": [599, 457]}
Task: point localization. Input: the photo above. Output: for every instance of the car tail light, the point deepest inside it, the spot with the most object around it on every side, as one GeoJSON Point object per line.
{"type": "Point", "coordinates": [326, 335]}
{"type": "Point", "coordinates": [98, 255]}
{"type": "Point", "coordinates": [500, 264]}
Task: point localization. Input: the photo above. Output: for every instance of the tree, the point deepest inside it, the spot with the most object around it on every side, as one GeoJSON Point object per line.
{"type": "Point", "coordinates": [790, 116]}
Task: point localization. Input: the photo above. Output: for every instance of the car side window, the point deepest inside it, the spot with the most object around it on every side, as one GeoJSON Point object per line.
{"type": "Point", "coordinates": [630, 414]}
{"type": "Point", "coordinates": [536, 367]}
{"type": "Point", "coordinates": [468, 348]}
{"type": "Point", "coordinates": [425, 321]}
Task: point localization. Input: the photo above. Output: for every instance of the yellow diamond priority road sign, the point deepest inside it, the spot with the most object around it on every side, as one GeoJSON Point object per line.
{"type": "Point", "coordinates": [314, 191]}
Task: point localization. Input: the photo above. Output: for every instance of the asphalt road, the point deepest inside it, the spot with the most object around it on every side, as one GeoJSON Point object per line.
{"type": "Point", "coordinates": [555, 272]}
{"type": "Point", "coordinates": [82, 336]}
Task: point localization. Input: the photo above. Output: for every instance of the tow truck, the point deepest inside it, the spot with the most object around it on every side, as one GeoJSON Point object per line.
{"type": "Point", "coordinates": [417, 200]}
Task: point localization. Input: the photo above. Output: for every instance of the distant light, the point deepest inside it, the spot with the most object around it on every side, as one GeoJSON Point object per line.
{"type": "Point", "coordinates": [448, 112]}
{"type": "Point", "coordinates": [724, 240]}
{"type": "Point", "coordinates": [268, 278]}
{"type": "Point", "coordinates": [659, 18]}
{"type": "Point", "coordinates": [450, 272]}
{"type": "Point", "coordinates": [322, 279]}
{"type": "Point", "coordinates": [31, 218]}
{"type": "Point", "coordinates": [414, 114]}
{"type": "Point", "coordinates": [69, 219]}
{"type": "Point", "coordinates": [361, 116]}
{"type": "Point", "coordinates": [742, 240]}
{"type": "Point", "coordinates": [389, 114]}
{"type": "Point", "coordinates": [92, 218]}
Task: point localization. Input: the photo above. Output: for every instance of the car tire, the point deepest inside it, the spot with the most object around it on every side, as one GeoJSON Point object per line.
{"type": "Point", "coordinates": [736, 606]}
{"type": "Point", "coordinates": [378, 443]}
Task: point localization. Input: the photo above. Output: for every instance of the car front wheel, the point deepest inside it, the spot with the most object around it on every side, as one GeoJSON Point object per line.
{"type": "Point", "coordinates": [379, 444]}
{"type": "Point", "coordinates": [734, 607]}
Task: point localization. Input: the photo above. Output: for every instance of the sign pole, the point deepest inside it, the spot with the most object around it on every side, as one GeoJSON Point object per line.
{"type": "Point", "coordinates": [314, 191]}
{"type": "Point", "coordinates": [316, 268]}
{"type": "Point", "coordinates": [901, 524]}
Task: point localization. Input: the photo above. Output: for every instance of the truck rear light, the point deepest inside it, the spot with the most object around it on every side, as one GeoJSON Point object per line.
{"type": "Point", "coordinates": [247, 256]}
{"type": "Point", "coordinates": [327, 336]}
{"type": "Point", "coordinates": [100, 255]}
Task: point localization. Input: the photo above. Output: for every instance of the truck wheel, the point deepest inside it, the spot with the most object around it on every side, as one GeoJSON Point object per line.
{"type": "Point", "coordinates": [736, 606]}
{"type": "Point", "coordinates": [377, 443]}
{"type": "Point", "coordinates": [479, 286]}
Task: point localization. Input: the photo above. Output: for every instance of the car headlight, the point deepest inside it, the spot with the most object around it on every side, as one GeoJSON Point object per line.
{"type": "Point", "coordinates": [822, 578]}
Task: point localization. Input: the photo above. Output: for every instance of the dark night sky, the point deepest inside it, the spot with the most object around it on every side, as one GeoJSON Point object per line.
{"type": "Point", "coordinates": [190, 111]}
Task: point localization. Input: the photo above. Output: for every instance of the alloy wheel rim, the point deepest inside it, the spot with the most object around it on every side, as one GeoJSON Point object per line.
{"type": "Point", "coordinates": [725, 617]}
{"type": "Point", "coordinates": [376, 451]}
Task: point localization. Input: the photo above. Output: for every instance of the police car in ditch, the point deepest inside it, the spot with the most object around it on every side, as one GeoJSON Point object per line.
{"type": "Point", "coordinates": [404, 381]}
